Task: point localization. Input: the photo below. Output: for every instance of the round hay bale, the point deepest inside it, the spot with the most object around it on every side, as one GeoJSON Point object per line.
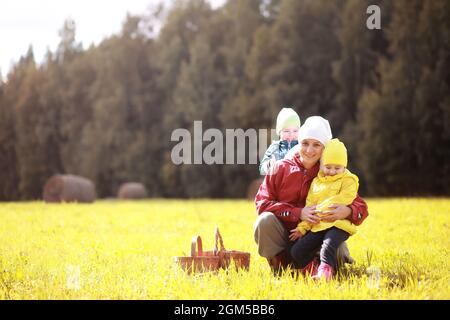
{"type": "Point", "coordinates": [253, 187]}
{"type": "Point", "coordinates": [132, 190]}
{"type": "Point", "coordinates": [69, 188]}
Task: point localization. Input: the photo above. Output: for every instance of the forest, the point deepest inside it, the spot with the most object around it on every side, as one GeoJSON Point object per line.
{"type": "Point", "coordinates": [107, 112]}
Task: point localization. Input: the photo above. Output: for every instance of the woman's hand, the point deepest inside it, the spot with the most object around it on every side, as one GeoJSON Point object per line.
{"type": "Point", "coordinates": [336, 212]}
{"type": "Point", "coordinates": [295, 234]}
{"type": "Point", "coordinates": [309, 214]}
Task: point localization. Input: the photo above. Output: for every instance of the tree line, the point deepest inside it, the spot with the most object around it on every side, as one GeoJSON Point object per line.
{"type": "Point", "coordinates": [107, 112]}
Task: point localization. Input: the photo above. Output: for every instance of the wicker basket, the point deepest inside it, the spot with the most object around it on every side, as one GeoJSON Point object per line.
{"type": "Point", "coordinates": [240, 259]}
{"type": "Point", "coordinates": [199, 261]}
{"type": "Point", "coordinates": [204, 261]}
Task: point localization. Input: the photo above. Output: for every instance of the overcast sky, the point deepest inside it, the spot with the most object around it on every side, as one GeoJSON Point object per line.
{"type": "Point", "coordinates": [37, 22]}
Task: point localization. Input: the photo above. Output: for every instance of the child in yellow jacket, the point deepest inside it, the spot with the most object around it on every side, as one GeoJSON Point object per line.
{"type": "Point", "coordinates": [333, 185]}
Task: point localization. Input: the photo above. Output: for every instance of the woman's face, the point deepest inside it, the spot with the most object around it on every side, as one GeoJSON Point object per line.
{"type": "Point", "coordinates": [310, 152]}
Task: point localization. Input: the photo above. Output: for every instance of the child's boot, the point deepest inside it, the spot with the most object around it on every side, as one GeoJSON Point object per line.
{"type": "Point", "coordinates": [325, 271]}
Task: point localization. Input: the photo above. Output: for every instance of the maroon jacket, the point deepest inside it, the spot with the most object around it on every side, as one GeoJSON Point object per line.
{"type": "Point", "coordinates": [284, 193]}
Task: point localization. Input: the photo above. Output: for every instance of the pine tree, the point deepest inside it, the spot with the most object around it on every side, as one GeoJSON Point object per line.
{"type": "Point", "coordinates": [404, 150]}
{"type": "Point", "coordinates": [8, 159]}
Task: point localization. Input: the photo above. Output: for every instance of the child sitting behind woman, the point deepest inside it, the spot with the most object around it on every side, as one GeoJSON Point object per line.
{"type": "Point", "coordinates": [288, 124]}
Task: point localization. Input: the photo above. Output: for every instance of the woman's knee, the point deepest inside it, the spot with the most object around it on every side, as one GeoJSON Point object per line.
{"type": "Point", "coordinates": [270, 235]}
{"type": "Point", "coordinates": [265, 220]}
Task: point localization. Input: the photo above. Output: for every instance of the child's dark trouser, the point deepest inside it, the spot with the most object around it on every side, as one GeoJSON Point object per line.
{"type": "Point", "coordinates": [304, 250]}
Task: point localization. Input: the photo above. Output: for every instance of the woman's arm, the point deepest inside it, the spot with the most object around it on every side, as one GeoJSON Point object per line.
{"type": "Point", "coordinates": [266, 199]}
{"type": "Point", "coordinates": [356, 212]}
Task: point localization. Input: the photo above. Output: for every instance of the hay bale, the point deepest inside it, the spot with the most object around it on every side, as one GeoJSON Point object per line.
{"type": "Point", "coordinates": [132, 190]}
{"type": "Point", "coordinates": [68, 188]}
{"type": "Point", "coordinates": [253, 187]}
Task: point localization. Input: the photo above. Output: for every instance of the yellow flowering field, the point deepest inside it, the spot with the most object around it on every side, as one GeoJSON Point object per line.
{"type": "Point", "coordinates": [125, 250]}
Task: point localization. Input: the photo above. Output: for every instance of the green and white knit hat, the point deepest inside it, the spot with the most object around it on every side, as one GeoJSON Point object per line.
{"type": "Point", "coordinates": [287, 117]}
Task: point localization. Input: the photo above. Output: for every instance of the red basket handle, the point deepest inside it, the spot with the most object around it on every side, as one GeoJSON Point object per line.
{"type": "Point", "coordinates": [218, 240]}
{"type": "Point", "coordinates": [196, 242]}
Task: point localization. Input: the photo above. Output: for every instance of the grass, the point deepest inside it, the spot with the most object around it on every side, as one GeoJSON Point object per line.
{"type": "Point", "coordinates": [126, 250]}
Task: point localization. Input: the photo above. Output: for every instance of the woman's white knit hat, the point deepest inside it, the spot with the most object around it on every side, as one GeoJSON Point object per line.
{"type": "Point", "coordinates": [317, 128]}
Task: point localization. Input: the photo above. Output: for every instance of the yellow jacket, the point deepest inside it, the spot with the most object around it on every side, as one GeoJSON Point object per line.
{"type": "Point", "coordinates": [325, 190]}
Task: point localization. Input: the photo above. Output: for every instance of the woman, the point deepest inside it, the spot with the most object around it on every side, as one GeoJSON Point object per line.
{"type": "Point", "coordinates": [280, 201]}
